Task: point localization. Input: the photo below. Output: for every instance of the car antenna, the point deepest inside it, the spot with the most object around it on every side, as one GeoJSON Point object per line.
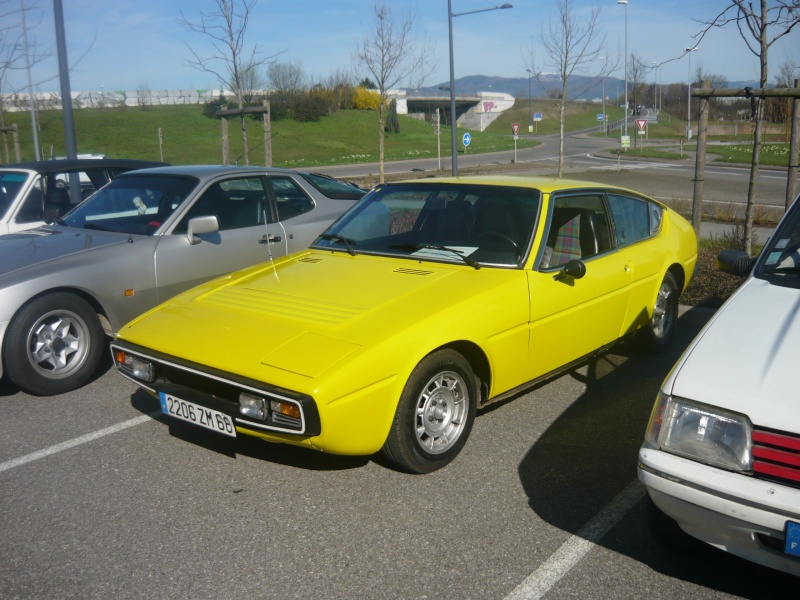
{"type": "Point", "coordinates": [265, 239]}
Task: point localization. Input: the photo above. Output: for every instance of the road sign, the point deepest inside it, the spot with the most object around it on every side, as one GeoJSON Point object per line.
{"type": "Point", "coordinates": [625, 141]}
{"type": "Point", "coordinates": [515, 128]}
{"type": "Point", "coordinates": [600, 116]}
{"type": "Point", "coordinates": [641, 124]}
{"type": "Point", "coordinates": [467, 139]}
{"type": "Point", "coordinates": [537, 116]}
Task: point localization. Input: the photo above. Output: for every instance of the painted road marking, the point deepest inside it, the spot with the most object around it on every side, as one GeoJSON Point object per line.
{"type": "Point", "coordinates": [538, 583]}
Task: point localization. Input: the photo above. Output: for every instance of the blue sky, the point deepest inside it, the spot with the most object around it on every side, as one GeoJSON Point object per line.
{"type": "Point", "coordinates": [139, 43]}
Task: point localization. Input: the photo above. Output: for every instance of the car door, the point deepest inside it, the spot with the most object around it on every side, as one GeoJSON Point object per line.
{"type": "Point", "coordinates": [241, 206]}
{"type": "Point", "coordinates": [570, 318]}
{"type": "Point", "coordinates": [299, 220]}
{"type": "Point", "coordinates": [637, 222]}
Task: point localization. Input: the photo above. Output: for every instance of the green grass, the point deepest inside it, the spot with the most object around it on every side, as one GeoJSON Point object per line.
{"type": "Point", "coordinates": [191, 138]}
{"type": "Point", "coordinates": [341, 138]}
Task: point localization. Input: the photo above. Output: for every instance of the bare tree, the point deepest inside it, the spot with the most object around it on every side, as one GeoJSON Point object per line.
{"type": "Point", "coordinates": [286, 77]}
{"type": "Point", "coordinates": [572, 45]}
{"type": "Point", "coordinates": [760, 26]}
{"type": "Point", "coordinates": [232, 61]}
{"type": "Point", "coordinates": [391, 53]}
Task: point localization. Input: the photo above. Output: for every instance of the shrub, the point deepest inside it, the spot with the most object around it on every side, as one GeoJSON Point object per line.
{"type": "Point", "coordinates": [710, 286]}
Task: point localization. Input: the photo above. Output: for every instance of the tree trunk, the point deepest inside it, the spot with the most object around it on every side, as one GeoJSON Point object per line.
{"type": "Point", "coordinates": [381, 119]}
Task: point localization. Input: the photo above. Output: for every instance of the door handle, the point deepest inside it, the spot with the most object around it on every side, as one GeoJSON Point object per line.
{"type": "Point", "coordinates": [269, 239]}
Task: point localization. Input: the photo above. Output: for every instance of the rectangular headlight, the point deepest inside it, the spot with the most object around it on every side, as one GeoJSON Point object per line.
{"type": "Point", "coordinates": [137, 367]}
{"type": "Point", "coordinates": [704, 433]}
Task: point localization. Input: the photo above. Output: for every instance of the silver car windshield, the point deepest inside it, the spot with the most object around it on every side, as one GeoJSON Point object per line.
{"type": "Point", "coordinates": [466, 223]}
{"type": "Point", "coordinates": [781, 256]}
{"type": "Point", "coordinates": [136, 204]}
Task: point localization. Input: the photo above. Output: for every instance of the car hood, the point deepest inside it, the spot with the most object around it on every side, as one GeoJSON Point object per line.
{"type": "Point", "coordinates": [314, 309]}
{"type": "Point", "coordinates": [745, 358]}
{"type": "Point", "coordinates": [36, 246]}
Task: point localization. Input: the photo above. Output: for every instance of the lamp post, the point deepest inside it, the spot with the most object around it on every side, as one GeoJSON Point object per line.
{"type": "Point", "coordinates": [450, 15]}
{"type": "Point", "coordinates": [656, 89]}
{"type": "Point", "coordinates": [530, 108]}
{"type": "Point", "coordinates": [625, 2]}
{"type": "Point", "coordinates": [689, 94]}
{"type": "Point", "coordinates": [603, 58]}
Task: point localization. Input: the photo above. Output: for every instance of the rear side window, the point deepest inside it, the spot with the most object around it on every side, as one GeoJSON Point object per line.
{"type": "Point", "coordinates": [291, 199]}
{"type": "Point", "coordinates": [634, 219]}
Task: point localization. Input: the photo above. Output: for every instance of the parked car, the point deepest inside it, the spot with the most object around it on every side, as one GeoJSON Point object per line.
{"type": "Point", "coordinates": [426, 300]}
{"type": "Point", "coordinates": [32, 193]}
{"type": "Point", "coordinates": [721, 455]}
{"type": "Point", "coordinates": [146, 236]}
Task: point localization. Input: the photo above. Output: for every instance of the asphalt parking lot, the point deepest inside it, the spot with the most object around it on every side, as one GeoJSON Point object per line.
{"type": "Point", "coordinates": [101, 497]}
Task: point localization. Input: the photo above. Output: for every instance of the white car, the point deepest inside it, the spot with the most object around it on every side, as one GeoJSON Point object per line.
{"type": "Point", "coordinates": [721, 454]}
{"type": "Point", "coordinates": [32, 193]}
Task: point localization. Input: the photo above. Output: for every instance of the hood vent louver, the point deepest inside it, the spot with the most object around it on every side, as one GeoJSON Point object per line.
{"type": "Point", "coordinates": [406, 271]}
{"type": "Point", "coordinates": [309, 259]}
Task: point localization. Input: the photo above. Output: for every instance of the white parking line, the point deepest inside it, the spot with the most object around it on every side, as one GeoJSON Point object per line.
{"type": "Point", "coordinates": [538, 583]}
{"type": "Point", "coordinates": [89, 437]}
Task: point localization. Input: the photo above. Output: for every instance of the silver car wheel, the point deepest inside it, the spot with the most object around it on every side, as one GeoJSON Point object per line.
{"type": "Point", "coordinates": [58, 343]}
{"type": "Point", "coordinates": [441, 413]}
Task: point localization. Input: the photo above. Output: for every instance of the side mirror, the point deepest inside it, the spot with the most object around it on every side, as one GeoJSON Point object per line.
{"type": "Point", "coordinates": [735, 262]}
{"type": "Point", "coordinates": [200, 225]}
{"type": "Point", "coordinates": [574, 269]}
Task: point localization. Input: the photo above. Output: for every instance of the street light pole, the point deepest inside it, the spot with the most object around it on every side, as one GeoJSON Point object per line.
{"type": "Point", "coordinates": [530, 108]}
{"type": "Point", "coordinates": [605, 129]}
{"type": "Point", "coordinates": [450, 15]}
{"type": "Point", "coordinates": [625, 2]}
{"type": "Point", "coordinates": [689, 94]}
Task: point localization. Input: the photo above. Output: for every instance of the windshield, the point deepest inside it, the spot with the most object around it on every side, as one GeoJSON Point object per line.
{"type": "Point", "coordinates": [454, 222]}
{"type": "Point", "coordinates": [137, 204]}
{"type": "Point", "coordinates": [781, 263]}
{"type": "Point", "coordinates": [333, 188]}
{"type": "Point", "coordinates": [11, 183]}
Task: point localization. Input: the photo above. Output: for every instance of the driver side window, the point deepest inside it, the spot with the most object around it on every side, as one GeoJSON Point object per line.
{"type": "Point", "coordinates": [579, 229]}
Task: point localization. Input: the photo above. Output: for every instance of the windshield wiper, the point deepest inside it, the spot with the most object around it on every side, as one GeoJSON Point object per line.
{"type": "Point", "coordinates": [472, 263]}
{"type": "Point", "coordinates": [782, 270]}
{"type": "Point", "coordinates": [340, 238]}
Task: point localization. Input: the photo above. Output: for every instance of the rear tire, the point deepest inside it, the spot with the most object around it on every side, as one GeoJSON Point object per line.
{"type": "Point", "coordinates": [659, 332]}
{"type": "Point", "coordinates": [53, 345]}
{"type": "Point", "coordinates": [435, 414]}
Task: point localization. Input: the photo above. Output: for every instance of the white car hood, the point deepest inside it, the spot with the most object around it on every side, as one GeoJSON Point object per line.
{"type": "Point", "coordinates": [747, 357]}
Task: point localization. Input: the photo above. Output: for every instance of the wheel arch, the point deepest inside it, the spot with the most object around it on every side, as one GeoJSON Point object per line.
{"type": "Point", "coordinates": [82, 294]}
{"type": "Point", "coordinates": [676, 269]}
{"type": "Point", "coordinates": [479, 362]}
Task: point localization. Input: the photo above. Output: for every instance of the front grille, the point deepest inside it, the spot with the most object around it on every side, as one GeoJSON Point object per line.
{"type": "Point", "coordinates": [776, 456]}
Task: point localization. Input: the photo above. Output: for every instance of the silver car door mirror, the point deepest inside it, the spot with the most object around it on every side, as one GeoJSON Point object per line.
{"type": "Point", "coordinates": [200, 225]}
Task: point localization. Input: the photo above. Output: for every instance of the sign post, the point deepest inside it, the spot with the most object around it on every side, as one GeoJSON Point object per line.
{"type": "Point", "coordinates": [515, 131]}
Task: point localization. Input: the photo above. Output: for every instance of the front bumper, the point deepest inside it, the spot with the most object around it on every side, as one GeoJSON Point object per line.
{"type": "Point", "coordinates": [736, 513]}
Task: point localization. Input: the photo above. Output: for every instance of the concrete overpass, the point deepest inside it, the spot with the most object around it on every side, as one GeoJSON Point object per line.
{"type": "Point", "coordinates": [474, 112]}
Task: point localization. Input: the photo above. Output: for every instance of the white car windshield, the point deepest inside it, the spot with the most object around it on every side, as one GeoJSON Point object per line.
{"type": "Point", "coordinates": [781, 256]}
{"type": "Point", "coordinates": [468, 223]}
{"type": "Point", "coordinates": [137, 204]}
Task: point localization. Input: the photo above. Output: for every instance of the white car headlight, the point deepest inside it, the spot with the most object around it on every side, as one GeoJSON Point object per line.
{"type": "Point", "coordinates": [701, 432]}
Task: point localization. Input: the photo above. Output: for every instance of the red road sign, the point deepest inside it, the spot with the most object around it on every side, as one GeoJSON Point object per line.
{"type": "Point", "coordinates": [515, 128]}
{"type": "Point", "coordinates": [641, 124]}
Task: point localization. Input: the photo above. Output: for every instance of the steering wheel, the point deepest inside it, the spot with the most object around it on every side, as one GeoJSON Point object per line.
{"type": "Point", "coordinates": [501, 235]}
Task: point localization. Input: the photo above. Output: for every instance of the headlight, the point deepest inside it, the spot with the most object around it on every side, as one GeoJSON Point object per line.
{"type": "Point", "coordinates": [701, 432]}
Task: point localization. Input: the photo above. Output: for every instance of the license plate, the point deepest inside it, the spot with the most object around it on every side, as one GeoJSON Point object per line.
{"type": "Point", "coordinates": [196, 414]}
{"type": "Point", "coordinates": [792, 538]}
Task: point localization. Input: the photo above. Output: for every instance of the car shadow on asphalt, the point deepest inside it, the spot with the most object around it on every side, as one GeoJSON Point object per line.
{"type": "Point", "coordinates": [589, 454]}
{"type": "Point", "coordinates": [243, 445]}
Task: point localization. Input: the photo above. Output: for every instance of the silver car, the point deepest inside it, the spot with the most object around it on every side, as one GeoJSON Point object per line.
{"type": "Point", "coordinates": [146, 236]}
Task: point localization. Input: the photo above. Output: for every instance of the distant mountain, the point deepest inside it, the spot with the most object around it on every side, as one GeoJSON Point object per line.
{"type": "Point", "coordinates": [579, 87]}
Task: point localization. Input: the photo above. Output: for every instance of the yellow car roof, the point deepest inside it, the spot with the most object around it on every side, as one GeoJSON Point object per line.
{"type": "Point", "coordinates": [544, 184]}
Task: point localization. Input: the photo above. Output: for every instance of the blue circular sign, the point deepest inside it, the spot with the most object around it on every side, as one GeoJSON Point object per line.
{"type": "Point", "coordinates": [467, 139]}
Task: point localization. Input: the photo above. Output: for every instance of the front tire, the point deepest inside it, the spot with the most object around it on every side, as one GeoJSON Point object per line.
{"type": "Point", "coordinates": [435, 414]}
{"type": "Point", "coordinates": [53, 345]}
{"type": "Point", "coordinates": [659, 332]}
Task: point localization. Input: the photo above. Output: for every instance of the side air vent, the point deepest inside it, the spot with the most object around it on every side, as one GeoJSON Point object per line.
{"type": "Point", "coordinates": [413, 272]}
{"type": "Point", "coordinates": [309, 259]}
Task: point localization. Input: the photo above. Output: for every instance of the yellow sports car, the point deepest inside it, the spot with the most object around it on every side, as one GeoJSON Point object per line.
{"type": "Point", "coordinates": [426, 300]}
